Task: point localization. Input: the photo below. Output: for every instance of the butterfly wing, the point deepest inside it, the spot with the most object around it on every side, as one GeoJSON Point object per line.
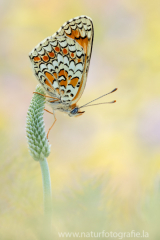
{"type": "Point", "coordinates": [61, 62]}
{"type": "Point", "coordinates": [58, 63]}
{"type": "Point", "coordinates": [81, 30]}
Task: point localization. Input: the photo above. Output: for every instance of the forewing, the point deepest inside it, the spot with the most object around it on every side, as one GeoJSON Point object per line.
{"type": "Point", "coordinates": [81, 30]}
{"type": "Point", "coordinates": [58, 63]}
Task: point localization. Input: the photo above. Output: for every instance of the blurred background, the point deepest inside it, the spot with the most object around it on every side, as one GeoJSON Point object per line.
{"type": "Point", "coordinates": [104, 165]}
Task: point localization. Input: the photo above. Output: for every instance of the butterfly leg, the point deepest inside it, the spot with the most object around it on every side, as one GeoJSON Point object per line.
{"type": "Point", "coordinates": [48, 111]}
{"type": "Point", "coordinates": [46, 95]}
{"type": "Point", "coordinates": [55, 119]}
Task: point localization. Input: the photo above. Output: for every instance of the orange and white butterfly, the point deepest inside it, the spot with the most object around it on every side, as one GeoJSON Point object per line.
{"type": "Point", "coordinates": [61, 62]}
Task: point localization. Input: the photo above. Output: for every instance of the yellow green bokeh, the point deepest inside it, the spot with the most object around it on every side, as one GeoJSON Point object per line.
{"type": "Point", "coordinates": [104, 165]}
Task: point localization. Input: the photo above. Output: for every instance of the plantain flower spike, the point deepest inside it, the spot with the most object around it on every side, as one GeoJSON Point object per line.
{"type": "Point", "coordinates": [35, 128]}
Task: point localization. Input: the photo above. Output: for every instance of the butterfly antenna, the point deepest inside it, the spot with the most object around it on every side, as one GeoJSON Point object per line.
{"type": "Point", "coordinates": [115, 89]}
{"type": "Point", "coordinates": [100, 103]}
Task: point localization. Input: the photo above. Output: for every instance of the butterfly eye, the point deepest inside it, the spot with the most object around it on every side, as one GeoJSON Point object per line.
{"type": "Point", "coordinates": [74, 111]}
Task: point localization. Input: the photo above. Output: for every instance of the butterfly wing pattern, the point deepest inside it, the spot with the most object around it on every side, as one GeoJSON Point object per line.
{"type": "Point", "coordinates": [61, 62]}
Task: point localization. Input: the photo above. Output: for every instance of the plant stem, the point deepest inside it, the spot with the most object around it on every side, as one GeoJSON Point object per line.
{"type": "Point", "coordinates": [47, 195]}
{"type": "Point", "coordinates": [40, 149]}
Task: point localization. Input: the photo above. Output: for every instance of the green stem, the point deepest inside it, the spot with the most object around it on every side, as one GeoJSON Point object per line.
{"type": "Point", "coordinates": [47, 195]}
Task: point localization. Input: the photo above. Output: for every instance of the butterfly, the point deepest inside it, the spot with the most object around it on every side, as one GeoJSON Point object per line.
{"type": "Point", "coordinates": [61, 63]}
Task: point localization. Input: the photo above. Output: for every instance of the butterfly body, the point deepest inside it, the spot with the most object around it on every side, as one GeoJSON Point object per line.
{"type": "Point", "coordinates": [61, 62]}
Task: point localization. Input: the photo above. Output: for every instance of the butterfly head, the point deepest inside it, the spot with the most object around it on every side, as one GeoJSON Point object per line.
{"type": "Point", "coordinates": [75, 112]}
